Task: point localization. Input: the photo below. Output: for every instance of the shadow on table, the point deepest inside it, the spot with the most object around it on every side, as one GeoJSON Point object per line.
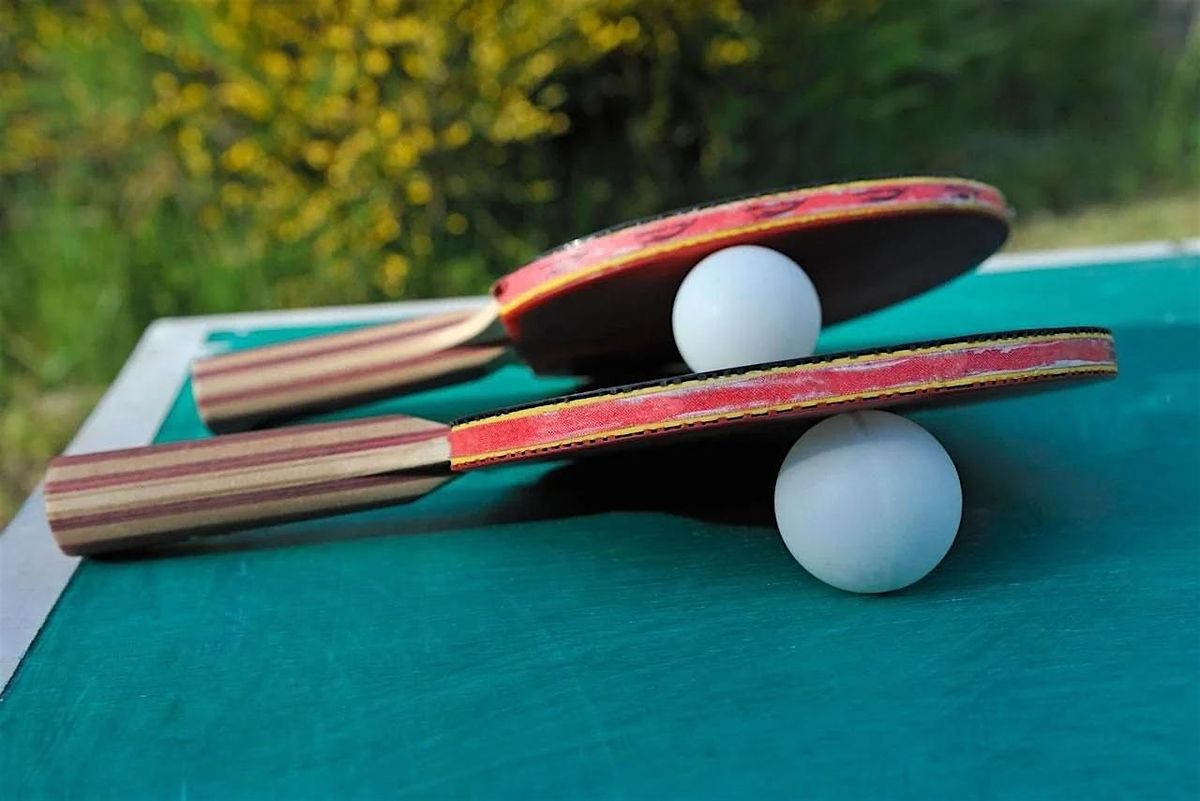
{"type": "Point", "coordinates": [721, 481]}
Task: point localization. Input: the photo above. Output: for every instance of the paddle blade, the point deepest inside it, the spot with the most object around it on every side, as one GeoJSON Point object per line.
{"type": "Point", "coordinates": [165, 493]}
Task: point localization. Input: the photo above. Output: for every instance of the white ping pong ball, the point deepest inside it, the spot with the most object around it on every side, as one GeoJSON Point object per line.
{"type": "Point", "coordinates": [868, 501]}
{"type": "Point", "coordinates": [745, 305]}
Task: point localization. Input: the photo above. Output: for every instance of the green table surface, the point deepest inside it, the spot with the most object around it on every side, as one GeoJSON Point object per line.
{"type": "Point", "coordinates": [592, 631]}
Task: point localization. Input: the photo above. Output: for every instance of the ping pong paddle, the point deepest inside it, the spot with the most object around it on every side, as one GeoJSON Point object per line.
{"type": "Point", "coordinates": [601, 306]}
{"type": "Point", "coordinates": [158, 494]}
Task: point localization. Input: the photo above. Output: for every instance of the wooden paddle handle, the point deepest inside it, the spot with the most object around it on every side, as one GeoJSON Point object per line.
{"type": "Point", "coordinates": [240, 390]}
{"type": "Point", "coordinates": [162, 493]}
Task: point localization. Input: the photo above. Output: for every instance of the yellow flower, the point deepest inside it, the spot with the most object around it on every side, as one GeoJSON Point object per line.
{"type": "Point", "coordinates": [456, 223]}
{"type": "Point", "coordinates": [154, 118]}
{"type": "Point", "coordinates": [457, 134]}
{"type": "Point", "coordinates": [246, 97]}
{"type": "Point", "coordinates": [340, 37]}
{"type": "Point", "coordinates": [724, 52]}
{"type": "Point", "coordinates": [488, 55]}
{"type": "Point", "coordinates": [554, 94]}
{"type": "Point", "coordinates": [276, 64]}
{"type": "Point", "coordinates": [49, 26]}
{"type": "Point", "coordinates": [314, 212]}
{"type": "Point", "coordinates": [368, 95]}
{"type": "Point", "coordinates": [376, 61]}
{"type": "Point", "coordinates": [188, 59]}
{"type": "Point", "coordinates": [239, 12]}
{"type": "Point", "coordinates": [154, 40]}
{"type": "Point", "coordinates": [241, 156]}
{"type": "Point", "coordinates": [728, 10]}
{"type": "Point", "coordinates": [288, 231]}
{"type": "Point", "coordinates": [387, 33]}
{"type": "Point", "coordinates": [385, 228]}
{"type": "Point", "coordinates": [666, 41]}
{"type": "Point", "coordinates": [310, 67]}
{"type": "Point", "coordinates": [419, 190]}
{"type": "Point", "coordinates": [331, 110]}
{"type": "Point", "coordinates": [193, 97]}
{"type": "Point", "coordinates": [388, 124]}
{"type": "Point", "coordinates": [422, 244]}
{"type": "Point", "coordinates": [165, 84]}
{"type": "Point", "coordinates": [133, 14]}
{"type": "Point", "coordinates": [295, 99]}
{"type": "Point", "coordinates": [541, 191]}
{"type": "Point", "coordinates": [400, 154]}
{"type": "Point", "coordinates": [345, 70]}
{"type": "Point", "coordinates": [318, 153]}
{"type": "Point", "coordinates": [234, 195]}
{"type": "Point", "coordinates": [540, 66]}
{"type": "Point", "coordinates": [589, 22]}
{"type": "Point", "coordinates": [423, 139]}
{"type": "Point", "coordinates": [190, 138]}
{"type": "Point", "coordinates": [392, 274]}
{"type": "Point", "coordinates": [226, 36]}
{"type": "Point", "coordinates": [414, 65]}
{"type": "Point", "coordinates": [379, 32]}
{"type": "Point", "coordinates": [327, 243]}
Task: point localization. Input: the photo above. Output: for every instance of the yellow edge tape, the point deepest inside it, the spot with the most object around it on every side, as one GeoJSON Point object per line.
{"type": "Point", "coordinates": [763, 410]}
{"type": "Point", "coordinates": [789, 368]}
{"type": "Point", "coordinates": [855, 213]}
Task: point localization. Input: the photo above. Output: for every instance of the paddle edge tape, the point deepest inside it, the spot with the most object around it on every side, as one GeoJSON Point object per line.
{"type": "Point", "coordinates": [631, 244]}
{"type": "Point", "coordinates": [798, 388]}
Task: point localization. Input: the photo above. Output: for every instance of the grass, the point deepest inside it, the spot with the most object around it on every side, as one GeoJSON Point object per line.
{"type": "Point", "coordinates": [1170, 218]}
{"type": "Point", "coordinates": [37, 425]}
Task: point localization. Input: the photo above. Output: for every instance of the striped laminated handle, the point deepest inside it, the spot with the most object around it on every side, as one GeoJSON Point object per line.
{"type": "Point", "coordinates": [163, 493]}
{"type": "Point", "coordinates": [240, 390]}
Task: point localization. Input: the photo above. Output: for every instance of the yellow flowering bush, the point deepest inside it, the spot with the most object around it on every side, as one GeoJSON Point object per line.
{"type": "Point", "coordinates": [356, 136]}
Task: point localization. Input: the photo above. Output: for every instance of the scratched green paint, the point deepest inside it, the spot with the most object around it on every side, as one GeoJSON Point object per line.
{"type": "Point", "coordinates": [597, 640]}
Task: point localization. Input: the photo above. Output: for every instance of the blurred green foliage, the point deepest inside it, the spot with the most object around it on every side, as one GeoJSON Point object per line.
{"type": "Point", "coordinates": [166, 158]}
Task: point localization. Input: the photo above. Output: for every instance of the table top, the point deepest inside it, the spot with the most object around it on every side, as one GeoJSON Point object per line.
{"type": "Point", "coordinates": [634, 628]}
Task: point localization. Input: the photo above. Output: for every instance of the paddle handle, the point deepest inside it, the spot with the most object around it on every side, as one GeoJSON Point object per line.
{"type": "Point", "coordinates": [165, 493]}
{"type": "Point", "coordinates": [249, 388]}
